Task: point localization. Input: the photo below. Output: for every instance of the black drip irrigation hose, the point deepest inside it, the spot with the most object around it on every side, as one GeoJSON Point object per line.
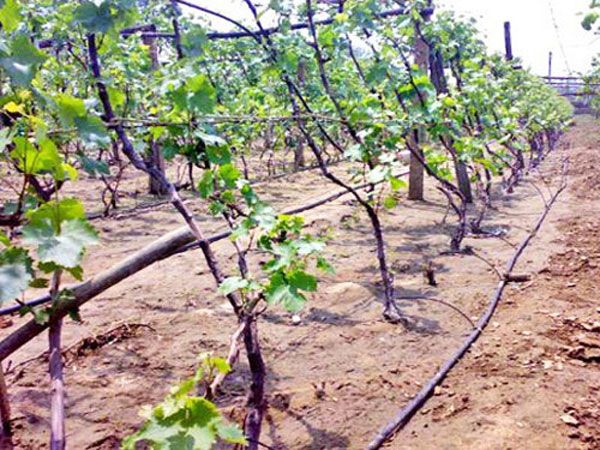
{"type": "Point", "coordinates": [405, 414]}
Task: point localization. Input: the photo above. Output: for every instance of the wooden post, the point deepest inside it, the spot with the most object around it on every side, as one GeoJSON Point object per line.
{"type": "Point", "coordinates": [550, 68]}
{"type": "Point", "coordinates": [416, 177]}
{"type": "Point", "coordinates": [56, 369]}
{"type": "Point", "coordinates": [299, 160]}
{"type": "Point", "coordinates": [4, 405]}
{"type": "Point", "coordinates": [156, 157]}
{"type": "Point", "coordinates": [508, 42]}
{"type": "Point", "coordinates": [441, 85]}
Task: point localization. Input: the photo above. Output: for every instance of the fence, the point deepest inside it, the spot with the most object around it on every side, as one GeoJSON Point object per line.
{"type": "Point", "coordinates": [576, 90]}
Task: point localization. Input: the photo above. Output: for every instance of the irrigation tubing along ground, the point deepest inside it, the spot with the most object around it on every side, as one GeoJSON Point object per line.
{"type": "Point", "coordinates": [406, 413]}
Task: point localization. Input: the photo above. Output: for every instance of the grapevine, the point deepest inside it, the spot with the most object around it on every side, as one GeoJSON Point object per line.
{"type": "Point", "coordinates": [354, 89]}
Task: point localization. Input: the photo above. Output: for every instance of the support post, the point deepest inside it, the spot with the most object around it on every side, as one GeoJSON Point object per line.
{"type": "Point", "coordinates": [508, 42]}
{"type": "Point", "coordinates": [550, 68]}
{"type": "Point", "coordinates": [299, 160]}
{"type": "Point", "coordinates": [416, 177]}
{"type": "Point", "coordinates": [156, 157]}
{"type": "Point", "coordinates": [4, 406]}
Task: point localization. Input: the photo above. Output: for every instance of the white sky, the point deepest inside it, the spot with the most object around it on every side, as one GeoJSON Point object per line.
{"type": "Point", "coordinates": [533, 32]}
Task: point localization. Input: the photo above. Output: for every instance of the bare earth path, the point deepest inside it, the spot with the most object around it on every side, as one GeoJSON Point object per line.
{"type": "Point", "coordinates": [342, 373]}
{"type": "Point", "coordinates": [533, 380]}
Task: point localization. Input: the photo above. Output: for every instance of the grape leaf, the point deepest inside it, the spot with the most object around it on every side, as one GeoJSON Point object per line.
{"type": "Point", "coordinates": [4, 240]}
{"type": "Point", "coordinates": [93, 167]}
{"type": "Point", "coordinates": [10, 17]}
{"type": "Point", "coordinates": [15, 273]}
{"type": "Point", "coordinates": [23, 62]}
{"type": "Point", "coordinates": [206, 184]}
{"type": "Point", "coordinates": [279, 291]}
{"type": "Point", "coordinates": [65, 248]}
{"type": "Point", "coordinates": [232, 284]}
{"type": "Point", "coordinates": [96, 17]}
{"type": "Point", "coordinates": [302, 281]}
{"type": "Point", "coordinates": [69, 108]}
{"type": "Point", "coordinates": [92, 130]}
{"type": "Point", "coordinates": [34, 160]}
{"type": "Point", "coordinates": [57, 212]}
{"type": "Point", "coordinates": [203, 95]}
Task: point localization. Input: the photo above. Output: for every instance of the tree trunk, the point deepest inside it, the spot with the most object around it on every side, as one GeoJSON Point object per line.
{"type": "Point", "coordinates": [256, 401]}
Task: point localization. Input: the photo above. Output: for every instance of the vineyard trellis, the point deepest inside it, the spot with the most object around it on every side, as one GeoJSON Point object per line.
{"type": "Point", "coordinates": [369, 82]}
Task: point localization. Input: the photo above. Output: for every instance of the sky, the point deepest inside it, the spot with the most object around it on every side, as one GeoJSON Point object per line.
{"type": "Point", "coordinates": [534, 34]}
{"type": "Point", "coordinates": [536, 31]}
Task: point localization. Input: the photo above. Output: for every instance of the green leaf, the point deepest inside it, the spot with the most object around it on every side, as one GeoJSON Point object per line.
{"type": "Point", "coordinates": [184, 423]}
{"type": "Point", "coordinates": [92, 130]}
{"type": "Point", "coordinates": [377, 174]}
{"type": "Point", "coordinates": [69, 108]}
{"type": "Point", "coordinates": [210, 140]}
{"type": "Point", "coordinates": [57, 212]}
{"type": "Point", "coordinates": [16, 273]}
{"type": "Point", "coordinates": [241, 230]}
{"type": "Point", "coordinates": [75, 315]}
{"type": "Point", "coordinates": [278, 291]}
{"type": "Point", "coordinates": [23, 62]}
{"type": "Point", "coordinates": [4, 240]}
{"type": "Point", "coordinates": [41, 315]}
{"type": "Point", "coordinates": [203, 95]}
{"type": "Point", "coordinates": [39, 283]}
{"type": "Point", "coordinates": [66, 172]}
{"type": "Point", "coordinates": [355, 153]}
{"type": "Point", "coordinates": [218, 155]}
{"type": "Point", "coordinates": [33, 160]}
{"type": "Point", "coordinates": [589, 20]}
{"type": "Point", "coordinates": [397, 184]}
{"type": "Point", "coordinates": [93, 167]}
{"type": "Point", "coordinates": [117, 97]}
{"type": "Point", "coordinates": [4, 138]}
{"type": "Point", "coordinates": [76, 272]}
{"type": "Point", "coordinates": [302, 281]}
{"type": "Point", "coordinates": [10, 16]}
{"type": "Point", "coordinates": [206, 185]}
{"type": "Point", "coordinates": [221, 365]}
{"type": "Point", "coordinates": [232, 284]}
{"type": "Point", "coordinates": [309, 246]}
{"type": "Point", "coordinates": [324, 265]}
{"type": "Point", "coordinates": [194, 42]}
{"type": "Point", "coordinates": [231, 433]}
{"type": "Point", "coordinates": [390, 202]}
{"type": "Point", "coordinates": [230, 175]}
{"type": "Point", "coordinates": [65, 248]}
{"type": "Point", "coordinates": [264, 216]}
{"type": "Point", "coordinates": [95, 17]}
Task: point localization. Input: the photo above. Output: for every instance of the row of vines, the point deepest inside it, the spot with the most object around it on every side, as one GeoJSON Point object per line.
{"type": "Point", "coordinates": [98, 88]}
{"type": "Point", "coordinates": [592, 78]}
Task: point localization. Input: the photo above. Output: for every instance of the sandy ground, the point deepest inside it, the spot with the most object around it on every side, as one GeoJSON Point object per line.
{"type": "Point", "coordinates": [343, 372]}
